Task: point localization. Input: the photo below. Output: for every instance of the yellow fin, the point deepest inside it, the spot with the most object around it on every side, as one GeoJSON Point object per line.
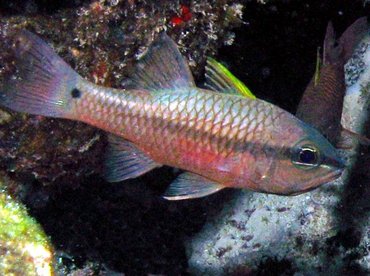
{"type": "Point", "coordinates": [317, 67]}
{"type": "Point", "coordinates": [220, 79]}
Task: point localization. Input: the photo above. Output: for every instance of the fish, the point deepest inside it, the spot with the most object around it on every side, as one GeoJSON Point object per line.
{"type": "Point", "coordinates": [218, 138]}
{"type": "Point", "coordinates": [218, 77]}
{"type": "Point", "coordinates": [322, 101]}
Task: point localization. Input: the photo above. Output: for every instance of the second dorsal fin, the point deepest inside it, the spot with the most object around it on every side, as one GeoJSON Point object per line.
{"type": "Point", "coordinates": [162, 67]}
{"type": "Point", "coordinates": [220, 79]}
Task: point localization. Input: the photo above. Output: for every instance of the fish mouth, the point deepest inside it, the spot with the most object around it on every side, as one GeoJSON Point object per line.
{"type": "Point", "coordinates": [319, 181]}
{"type": "Point", "coordinates": [334, 175]}
{"type": "Point", "coordinates": [335, 162]}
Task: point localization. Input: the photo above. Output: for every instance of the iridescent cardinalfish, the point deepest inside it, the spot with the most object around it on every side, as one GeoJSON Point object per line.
{"type": "Point", "coordinates": [220, 139]}
{"type": "Point", "coordinates": [322, 102]}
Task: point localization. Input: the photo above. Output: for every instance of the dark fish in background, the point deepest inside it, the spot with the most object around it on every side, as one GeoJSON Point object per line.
{"type": "Point", "coordinates": [322, 102]}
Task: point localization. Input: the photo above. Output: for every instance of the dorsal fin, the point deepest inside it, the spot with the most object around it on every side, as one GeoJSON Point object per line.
{"type": "Point", "coordinates": [329, 53]}
{"type": "Point", "coordinates": [162, 67]}
{"type": "Point", "coordinates": [317, 67]}
{"type": "Point", "coordinates": [220, 79]}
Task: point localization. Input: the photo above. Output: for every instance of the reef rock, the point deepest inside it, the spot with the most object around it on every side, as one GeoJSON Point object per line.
{"type": "Point", "coordinates": [323, 231]}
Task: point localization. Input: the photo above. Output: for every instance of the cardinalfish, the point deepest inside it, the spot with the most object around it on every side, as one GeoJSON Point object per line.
{"type": "Point", "coordinates": [322, 102]}
{"type": "Point", "coordinates": [218, 137]}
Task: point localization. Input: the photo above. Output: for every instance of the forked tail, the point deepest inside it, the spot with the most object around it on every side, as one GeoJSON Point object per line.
{"type": "Point", "coordinates": [43, 83]}
{"type": "Point", "coordinates": [343, 50]}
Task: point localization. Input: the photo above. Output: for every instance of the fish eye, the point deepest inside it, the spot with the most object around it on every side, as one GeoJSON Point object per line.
{"type": "Point", "coordinates": [307, 156]}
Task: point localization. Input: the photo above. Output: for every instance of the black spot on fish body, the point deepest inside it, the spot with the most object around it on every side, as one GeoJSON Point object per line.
{"type": "Point", "coordinates": [76, 93]}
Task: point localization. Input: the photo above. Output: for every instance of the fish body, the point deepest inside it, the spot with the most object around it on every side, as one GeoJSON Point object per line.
{"type": "Point", "coordinates": [231, 140]}
{"type": "Point", "coordinates": [322, 101]}
{"type": "Point", "coordinates": [162, 118]}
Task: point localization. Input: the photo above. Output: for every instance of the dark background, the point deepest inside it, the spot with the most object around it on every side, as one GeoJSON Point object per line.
{"type": "Point", "coordinates": [129, 228]}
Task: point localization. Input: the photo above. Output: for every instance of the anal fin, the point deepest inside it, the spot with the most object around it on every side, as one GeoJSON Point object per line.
{"type": "Point", "coordinates": [189, 185]}
{"type": "Point", "coordinates": [123, 160]}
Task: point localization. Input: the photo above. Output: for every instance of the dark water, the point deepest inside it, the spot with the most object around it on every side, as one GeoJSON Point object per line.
{"type": "Point", "coordinates": [275, 53]}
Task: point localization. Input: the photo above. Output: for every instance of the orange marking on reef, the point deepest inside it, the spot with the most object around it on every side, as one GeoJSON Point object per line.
{"type": "Point", "coordinates": [185, 16]}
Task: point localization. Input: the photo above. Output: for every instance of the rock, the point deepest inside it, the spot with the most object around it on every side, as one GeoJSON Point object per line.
{"type": "Point", "coordinates": [323, 231]}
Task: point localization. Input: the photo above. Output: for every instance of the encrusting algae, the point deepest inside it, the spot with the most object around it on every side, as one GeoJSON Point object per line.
{"type": "Point", "coordinates": [24, 247]}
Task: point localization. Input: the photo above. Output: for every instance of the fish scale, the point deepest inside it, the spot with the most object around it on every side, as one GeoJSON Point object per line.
{"type": "Point", "coordinates": [219, 138]}
{"type": "Point", "coordinates": [163, 126]}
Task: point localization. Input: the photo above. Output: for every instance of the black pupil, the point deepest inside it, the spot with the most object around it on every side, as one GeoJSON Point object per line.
{"type": "Point", "coordinates": [76, 93]}
{"type": "Point", "coordinates": [307, 156]}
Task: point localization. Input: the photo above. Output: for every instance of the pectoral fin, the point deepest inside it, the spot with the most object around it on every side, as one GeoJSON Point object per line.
{"type": "Point", "coordinates": [349, 138]}
{"type": "Point", "coordinates": [123, 160]}
{"type": "Point", "coordinates": [189, 185]}
{"type": "Point", "coordinates": [220, 79]}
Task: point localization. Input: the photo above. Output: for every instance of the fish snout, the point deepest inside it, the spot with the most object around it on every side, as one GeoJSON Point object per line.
{"type": "Point", "coordinates": [335, 162]}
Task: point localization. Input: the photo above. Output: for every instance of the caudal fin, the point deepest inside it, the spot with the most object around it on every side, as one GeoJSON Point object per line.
{"type": "Point", "coordinates": [352, 36]}
{"type": "Point", "coordinates": [343, 50]}
{"type": "Point", "coordinates": [43, 82]}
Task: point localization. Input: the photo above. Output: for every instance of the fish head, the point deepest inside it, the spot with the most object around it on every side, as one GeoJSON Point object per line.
{"type": "Point", "coordinates": [301, 160]}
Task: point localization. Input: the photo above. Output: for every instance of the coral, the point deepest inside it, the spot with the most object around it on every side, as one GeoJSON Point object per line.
{"type": "Point", "coordinates": [24, 247]}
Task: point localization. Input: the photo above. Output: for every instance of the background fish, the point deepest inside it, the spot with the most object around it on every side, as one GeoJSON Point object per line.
{"type": "Point", "coordinates": [162, 118]}
{"type": "Point", "coordinates": [322, 102]}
